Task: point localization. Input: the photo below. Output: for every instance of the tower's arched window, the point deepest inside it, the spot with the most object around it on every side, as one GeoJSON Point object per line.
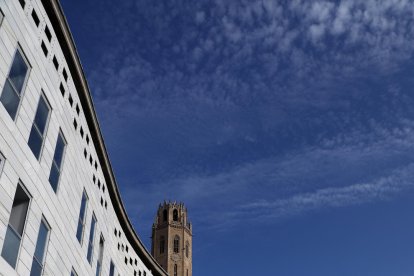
{"type": "Point", "coordinates": [175, 270]}
{"type": "Point", "coordinates": [162, 245]}
{"type": "Point", "coordinates": [165, 215]}
{"type": "Point", "coordinates": [187, 248]}
{"type": "Point", "coordinates": [175, 215]}
{"type": "Point", "coordinates": [176, 244]}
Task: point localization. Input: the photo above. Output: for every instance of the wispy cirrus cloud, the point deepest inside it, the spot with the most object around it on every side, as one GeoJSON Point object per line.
{"type": "Point", "coordinates": [286, 105]}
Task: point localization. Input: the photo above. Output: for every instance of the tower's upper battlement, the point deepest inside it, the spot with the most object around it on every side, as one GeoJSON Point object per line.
{"type": "Point", "coordinates": [172, 213]}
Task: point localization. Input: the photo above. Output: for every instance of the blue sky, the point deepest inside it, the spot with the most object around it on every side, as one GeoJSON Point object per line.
{"type": "Point", "coordinates": [286, 127]}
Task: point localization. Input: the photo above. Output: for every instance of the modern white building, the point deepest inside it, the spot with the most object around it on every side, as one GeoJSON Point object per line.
{"type": "Point", "coordinates": [60, 208]}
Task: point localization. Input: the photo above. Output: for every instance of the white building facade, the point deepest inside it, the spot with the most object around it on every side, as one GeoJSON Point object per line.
{"type": "Point", "coordinates": [60, 208]}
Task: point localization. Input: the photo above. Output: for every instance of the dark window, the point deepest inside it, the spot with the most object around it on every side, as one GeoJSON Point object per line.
{"type": "Point", "coordinates": [73, 272]}
{"type": "Point", "coordinates": [87, 140]}
{"type": "Point", "coordinates": [101, 201]}
{"type": "Point", "coordinates": [15, 228]}
{"type": "Point", "coordinates": [2, 159]}
{"type": "Point", "coordinates": [75, 125]}
{"type": "Point", "coordinates": [135, 273]}
{"type": "Point", "coordinates": [106, 205]}
{"type": "Point", "coordinates": [57, 162]}
{"type": "Point", "coordinates": [82, 217]}
{"type": "Point", "coordinates": [91, 239]}
{"type": "Point", "coordinates": [44, 48]}
{"type": "Point", "coordinates": [70, 100]}
{"type": "Point", "coordinates": [100, 256]}
{"type": "Point", "coordinates": [112, 269]}
{"type": "Point", "coordinates": [187, 248]}
{"type": "Point", "coordinates": [55, 62]}
{"type": "Point", "coordinates": [119, 246]}
{"type": "Point", "coordinates": [175, 270]}
{"type": "Point", "coordinates": [165, 215]}
{"type": "Point", "coordinates": [65, 74]}
{"type": "Point", "coordinates": [48, 34]}
{"type": "Point", "coordinates": [136, 262]}
{"type": "Point", "coordinates": [103, 188]}
{"type": "Point", "coordinates": [96, 165]}
{"type": "Point", "coordinates": [77, 109]}
{"type": "Point", "coordinates": [115, 232]}
{"type": "Point", "coordinates": [13, 88]}
{"type": "Point", "coordinates": [39, 255]}
{"type": "Point", "coordinates": [99, 184]}
{"type": "Point", "coordinates": [37, 134]}
{"type": "Point", "coordinates": [162, 245]}
{"type": "Point", "coordinates": [90, 159]}
{"type": "Point", "coordinates": [81, 132]}
{"type": "Point", "coordinates": [94, 177]}
{"type": "Point", "coordinates": [126, 248]}
{"type": "Point", "coordinates": [176, 244]}
{"type": "Point", "coordinates": [126, 260]}
{"type": "Point", "coordinates": [175, 215]}
{"type": "Point", "coordinates": [22, 3]}
{"type": "Point", "coordinates": [1, 16]}
{"type": "Point", "coordinates": [85, 153]}
{"type": "Point", "coordinates": [62, 89]}
{"type": "Point", "coordinates": [35, 18]}
{"type": "Point", "coordinates": [130, 261]}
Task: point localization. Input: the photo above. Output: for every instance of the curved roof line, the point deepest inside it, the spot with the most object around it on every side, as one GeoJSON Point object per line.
{"type": "Point", "coordinates": [56, 16]}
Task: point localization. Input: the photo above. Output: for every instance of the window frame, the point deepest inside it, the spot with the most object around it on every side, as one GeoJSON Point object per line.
{"type": "Point", "coordinates": [91, 242]}
{"type": "Point", "coordinates": [73, 272]}
{"type": "Point", "coordinates": [100, 258]}
{"type": "Point", "coordinates": [176, 244]}
{"type": "Point", "coordinates": [60, 169]}
{"type": "Point", "coordinates": [42, 95]}
{"type": "Point", "coordinates": [84, 217]}
{"type": "Point", "coordinates": [42, 262]}
{"type": "Point", "coordinates": [162, 245]}
{"type": "Point", "coordinates": [2, 162]}
{"type": "Point", "coordinates": [22, 236]}
{"type": "Point", "coordinates": [19, 49]}
{"type": "Point", "coordinates": [1, 17]}
{"type": "Point", "coordinates": [175, 215]}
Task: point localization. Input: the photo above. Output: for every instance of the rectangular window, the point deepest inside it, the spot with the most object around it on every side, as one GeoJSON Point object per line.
{"type": "Point", "coordinates": [100, 256]}
{"type": "Point", "coordinates": [82, 217]}
{"type": "Point", "coordinates": [56, 168]}
{"type": "Point", "coordinates": [112, 269]}
{"type": "Point", "coordinates": [2, 160]}
{"type": "Point", "coordinates": [1, 16]}
{"type": "Point", "coordinates": [22, 3]}
{"type": "Point", "coordinates": [65, 74]}
{"type": "Point", "coordinates": [15, 82]}
{"type": "Point", "coordinates": [55, 62]}
{"type": "Point", "coordinates": [35, 18]}
{"type": "Point", "coordinates": [16, 226]}
{"type": "Point", "coordinates": [91, 238]}
{"type": "Point", "coordinates": [41, 247]}
{"type": "Point", "coordinates": [62, 89]}
{"type": "Point", "coordinates": [37, 134]}
{"type": "Point", "coordinates": [44, 48]}
{"type": "Point", "coordinates": [48, 34]}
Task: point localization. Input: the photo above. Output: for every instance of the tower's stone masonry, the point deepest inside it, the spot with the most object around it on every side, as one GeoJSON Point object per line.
{"type": "Point", "coordinates": [172, 239]}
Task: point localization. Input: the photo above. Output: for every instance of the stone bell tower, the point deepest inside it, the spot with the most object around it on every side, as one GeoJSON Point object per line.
{"type": "Point", "coordinates": [172, 239]}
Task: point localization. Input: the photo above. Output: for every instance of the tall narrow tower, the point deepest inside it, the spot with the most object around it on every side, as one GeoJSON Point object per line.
{"type": "Point", "coordinates": [172, 239]}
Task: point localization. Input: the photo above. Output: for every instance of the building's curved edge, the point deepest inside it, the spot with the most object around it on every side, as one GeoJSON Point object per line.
{"type": "Point", "coordinates": [64, 36]}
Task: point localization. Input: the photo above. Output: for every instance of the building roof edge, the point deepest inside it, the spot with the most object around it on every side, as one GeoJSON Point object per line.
{"type": "Point", "coordinates": [55, 13]}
